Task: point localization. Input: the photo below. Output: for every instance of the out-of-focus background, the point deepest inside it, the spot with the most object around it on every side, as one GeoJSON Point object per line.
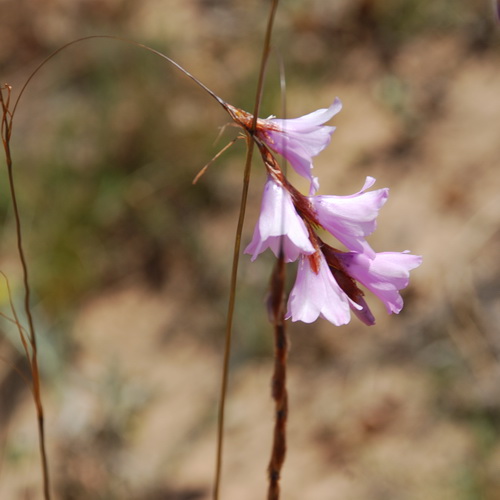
{"type": "Point", "coordinates": [130, 262]}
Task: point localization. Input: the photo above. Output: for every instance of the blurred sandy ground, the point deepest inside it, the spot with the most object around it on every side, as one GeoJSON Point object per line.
{"type": "Point", "coordinates": [130, 263]}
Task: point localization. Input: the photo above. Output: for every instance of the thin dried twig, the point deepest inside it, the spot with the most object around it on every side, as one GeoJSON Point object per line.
{"type": "Point", "coordinates": [6, 130]}
{"type": "Point", "coordinates": [221, 152]}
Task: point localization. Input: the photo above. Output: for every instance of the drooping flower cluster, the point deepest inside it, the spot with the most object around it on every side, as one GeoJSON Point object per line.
{"type": "Point", "coordinates": [327, 278]}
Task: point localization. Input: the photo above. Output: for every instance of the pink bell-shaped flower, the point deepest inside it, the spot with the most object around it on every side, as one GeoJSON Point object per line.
{"type": "Point", "coordinates": [384, 275]}
{"type": "Point", "coordinates": [299, 139]}
{"type": "Point", "coordinates": [279, 224]}
{"type": "Point", "coordinates": [351, 218]}
{"type": "Point", "coordinates": [317, 294]}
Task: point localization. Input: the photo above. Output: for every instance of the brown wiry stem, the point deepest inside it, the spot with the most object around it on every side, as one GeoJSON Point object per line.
{"type": "Point", "coordinates": [33, 361]}
{"type": "Point", "coordinates": [237, 246]}
{"type": "Point", "coordinates": [279, 392]}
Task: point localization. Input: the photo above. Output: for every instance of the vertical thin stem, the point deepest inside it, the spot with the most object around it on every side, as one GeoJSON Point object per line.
{"type": "Point", "coordinates": [236, 253]}
{"type": "Point", "coordinates": [6, 134]}
{"type": "Point", "coordinates": [277, 313]}
{"type": "Point", "coordinates": [229, 321]}
{"type": "Point", "coordinates": [263, 62]}
{"type": "Point", "coordinates": [279, 392]}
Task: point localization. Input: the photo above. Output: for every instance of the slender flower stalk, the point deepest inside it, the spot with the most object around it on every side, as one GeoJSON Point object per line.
{"type": "Point", "coordinates": [232, 294]}
{"type": "Point", "coordinates": [6, 131]}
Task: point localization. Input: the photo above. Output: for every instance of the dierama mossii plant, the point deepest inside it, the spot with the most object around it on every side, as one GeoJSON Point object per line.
{"type": "Point", "coordinates": [328, 278]}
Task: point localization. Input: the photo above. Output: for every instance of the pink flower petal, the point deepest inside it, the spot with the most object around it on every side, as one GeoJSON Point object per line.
{"type": "Point", "coordinates": [351, 218]}
{"type": "Point", "coordinates": [279, 224]}
{"type": "Point", "coordinates": [299, 139]}
{"type": "Point", "coordinates": [317, 294]}
{"type": "Point", "coordinates": [384, 275]}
